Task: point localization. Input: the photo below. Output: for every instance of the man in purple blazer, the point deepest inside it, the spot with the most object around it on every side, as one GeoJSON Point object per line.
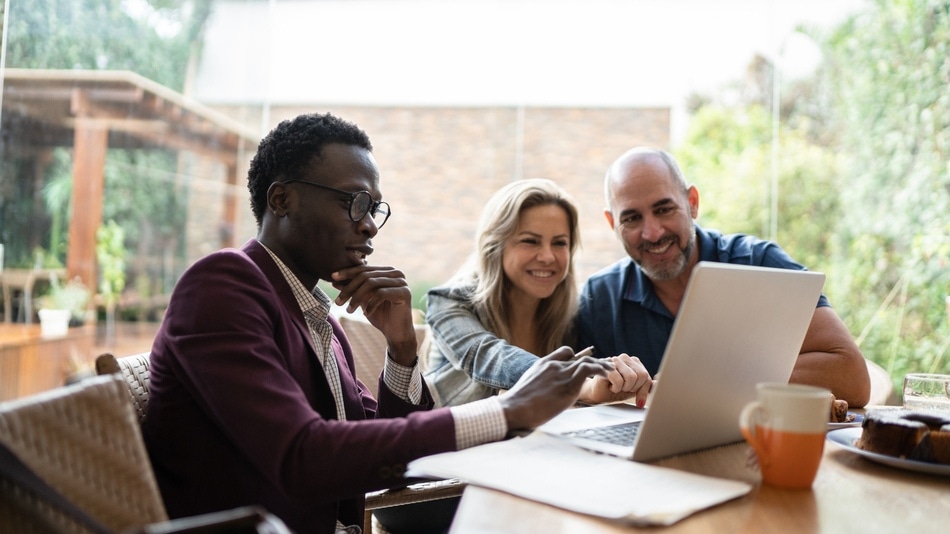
{"type": "Point", "coordinates": [254, 397]}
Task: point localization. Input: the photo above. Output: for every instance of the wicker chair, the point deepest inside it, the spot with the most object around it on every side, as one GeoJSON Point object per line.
{"type": "Point", "coordinates": [134, 372]}
{"type": "Point", "coordinates": [882, 388]}
{"type": "Point", "coordinates": [369, 348]}
{"type": "Point", "coordinates": [83, 442]}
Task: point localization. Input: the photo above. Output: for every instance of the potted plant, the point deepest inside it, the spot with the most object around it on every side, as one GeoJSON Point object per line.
{"type": "Point", "coordinates": [63, 306]}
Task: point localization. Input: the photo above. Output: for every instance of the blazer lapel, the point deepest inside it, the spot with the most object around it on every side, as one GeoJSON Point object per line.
{"type": "Point", "coordinates": [309, 365]}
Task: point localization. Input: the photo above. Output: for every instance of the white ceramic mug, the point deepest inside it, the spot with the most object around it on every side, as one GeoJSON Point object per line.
{"type": "Point", "coordinates": [786, 427]}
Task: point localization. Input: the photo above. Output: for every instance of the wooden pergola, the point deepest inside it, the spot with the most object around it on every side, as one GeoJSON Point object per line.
{"type": "Point", "coordinates": [92, 111]}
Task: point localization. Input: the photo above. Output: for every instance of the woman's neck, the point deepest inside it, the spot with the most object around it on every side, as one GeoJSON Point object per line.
{"type": "Point", "coordinates": [523, 325]}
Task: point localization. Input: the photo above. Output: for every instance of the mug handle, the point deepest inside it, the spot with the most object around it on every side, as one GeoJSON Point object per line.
{"type": "Point", "coordinates": [747, 422]}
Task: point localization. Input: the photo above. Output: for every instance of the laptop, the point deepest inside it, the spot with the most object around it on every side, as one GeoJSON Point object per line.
{"type": "Point", "coordinates": [737, 326]}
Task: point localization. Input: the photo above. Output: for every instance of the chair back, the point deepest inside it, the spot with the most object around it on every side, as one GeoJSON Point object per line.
{"type": "Point", "coordinates": [134, 371]}
{"type": "Point", "coordinates": [369, 348]}
{"type": "Point", "coordinates": [882, 387]}
{"type": "Point", "coordinates": [84, 441]}
{"type": "Point", "coordinates": [369, 351]}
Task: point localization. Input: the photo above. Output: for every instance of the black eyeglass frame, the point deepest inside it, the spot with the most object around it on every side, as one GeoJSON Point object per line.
{"type": "Point", "coordinates": [373, 207]}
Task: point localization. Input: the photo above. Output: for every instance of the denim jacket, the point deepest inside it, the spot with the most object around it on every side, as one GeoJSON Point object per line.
{"type": "Point", "coordinates": [466, 361]}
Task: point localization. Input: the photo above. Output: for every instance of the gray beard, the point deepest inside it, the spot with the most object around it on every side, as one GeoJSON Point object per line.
{"type": "Point", "coordinates": [671, 271]}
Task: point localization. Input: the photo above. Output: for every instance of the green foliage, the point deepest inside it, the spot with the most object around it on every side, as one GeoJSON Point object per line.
{"type": "Point", "coordinates": [138, 195]}
{"type": "Point", "coordinates": [864, 177]}
{"type": "Point", "coordinates": [419, 290]}
{"type": "Point", "coordinates": [72, 296]}
{"type": "Point", "coordinates": [143, 194]}
{"type": "Point", "coordinates": [104, 34]}
{"type": "Point", "coordinates": [110, 254]}
{"type": "Point", "coordinates": [892, 114]}
{"type": "Point", "coordinates": [153, 38]}
{"type": "Point", "coordinates": [57, 192]}
{"type": "Point", "coordinates": [727, 153]}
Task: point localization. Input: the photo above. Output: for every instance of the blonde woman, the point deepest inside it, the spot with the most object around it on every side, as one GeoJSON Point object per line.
{"type": "Point", "coordinates": [514, 300]}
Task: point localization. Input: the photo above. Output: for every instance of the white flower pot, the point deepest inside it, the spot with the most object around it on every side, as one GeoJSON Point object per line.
{"type": "Point", "coordinates": [54, 323]}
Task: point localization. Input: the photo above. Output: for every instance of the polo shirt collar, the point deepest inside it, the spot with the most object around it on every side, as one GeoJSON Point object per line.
{"type": "Point", "coordinates": [639, 289]}
{"type": "Point", "coordinates": [707, 246]}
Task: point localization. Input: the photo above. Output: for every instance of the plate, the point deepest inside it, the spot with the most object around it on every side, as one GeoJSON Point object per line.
{"type": "Point", "coordinates": [845, 438]}
{"type": "Point", "coordinates": [858, 419]}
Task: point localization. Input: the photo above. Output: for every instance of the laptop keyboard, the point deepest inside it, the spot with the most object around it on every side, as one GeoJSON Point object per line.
{"type": "Point", "coordinates": [622, 434]}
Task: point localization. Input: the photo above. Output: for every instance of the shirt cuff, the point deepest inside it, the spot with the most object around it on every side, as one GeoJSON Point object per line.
{"type": "Point", "coordinates": [479, 422]}
{"type": "Point", "coordinates": [405, 382]}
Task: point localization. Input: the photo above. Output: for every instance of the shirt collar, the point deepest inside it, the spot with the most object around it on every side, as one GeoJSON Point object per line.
{"type": "Point", "coordinates": [639, 289]}
{"type": "Point", "coordinates": [707, 247]}
{"type": "Point", "coordinates": [313, 302]}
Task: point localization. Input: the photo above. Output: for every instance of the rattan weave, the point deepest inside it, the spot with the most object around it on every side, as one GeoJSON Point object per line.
{"type": "Point", "coordinates": [84, 440]}
{"type": "Point", "coordinates": [369, 348]}
{"type": "Point", "coordinates": [134, 370]}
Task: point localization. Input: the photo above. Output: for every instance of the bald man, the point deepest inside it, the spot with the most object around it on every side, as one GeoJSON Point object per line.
{"type": "Point", "coordinates": [629, 307]}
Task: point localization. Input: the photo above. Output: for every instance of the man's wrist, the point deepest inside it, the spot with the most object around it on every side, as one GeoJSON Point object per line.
{"type": "Point", "coordinates": [403, 353]}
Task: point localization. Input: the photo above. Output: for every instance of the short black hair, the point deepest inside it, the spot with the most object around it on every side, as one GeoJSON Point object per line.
{"type": "Point", "coordinates": [291, 146]}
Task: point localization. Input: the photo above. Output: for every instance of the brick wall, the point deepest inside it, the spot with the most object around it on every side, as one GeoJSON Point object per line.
{"type": "Point", "coordinates": [440, 165]}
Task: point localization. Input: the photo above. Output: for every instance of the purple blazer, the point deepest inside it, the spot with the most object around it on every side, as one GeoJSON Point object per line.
{"type": "Point", "coordinates": [240, 411]}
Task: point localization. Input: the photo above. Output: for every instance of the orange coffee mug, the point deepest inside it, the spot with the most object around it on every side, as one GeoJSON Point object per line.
{"type": "Point", "coordinates": [786, 428]}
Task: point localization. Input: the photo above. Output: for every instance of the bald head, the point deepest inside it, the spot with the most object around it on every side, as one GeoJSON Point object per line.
{"type": "Point", "coordinates": [638, 160]}
{"type": "Point", "coordinates": [651, 209]}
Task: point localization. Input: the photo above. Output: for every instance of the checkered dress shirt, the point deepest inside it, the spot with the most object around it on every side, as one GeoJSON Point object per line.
{"type": "Point", "coordinates": [477, 422]}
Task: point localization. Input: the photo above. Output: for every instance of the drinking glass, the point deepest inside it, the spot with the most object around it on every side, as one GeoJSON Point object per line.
{"type": "Point", "coordinates": [927, 391]}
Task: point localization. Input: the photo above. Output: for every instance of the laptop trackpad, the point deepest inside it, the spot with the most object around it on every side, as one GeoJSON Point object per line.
{"type": "Point", "coordinates": [592, 416]}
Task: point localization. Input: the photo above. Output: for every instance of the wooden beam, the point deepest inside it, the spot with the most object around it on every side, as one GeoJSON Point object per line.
{"type": "Point", "coordinates": [141, 127]}
{"type": "Point", "coordinates": [89, 161]}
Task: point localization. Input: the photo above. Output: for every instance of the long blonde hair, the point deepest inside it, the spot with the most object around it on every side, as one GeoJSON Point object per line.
{"type": "Point", "coordinates": [498, 222]}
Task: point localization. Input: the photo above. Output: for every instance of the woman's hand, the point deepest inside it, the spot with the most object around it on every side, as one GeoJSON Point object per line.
{"type": "Point", "coordinates": [627, 380]}
{"type": "Point", "coordinates": [548, 387]}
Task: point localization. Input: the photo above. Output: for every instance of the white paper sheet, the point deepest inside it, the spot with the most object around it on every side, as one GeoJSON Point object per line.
{"type": "Point", "coordinates": [545, 469]}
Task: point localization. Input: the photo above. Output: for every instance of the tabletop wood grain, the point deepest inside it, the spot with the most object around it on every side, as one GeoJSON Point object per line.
{"type": "Point", "coordinates": [850, 494]}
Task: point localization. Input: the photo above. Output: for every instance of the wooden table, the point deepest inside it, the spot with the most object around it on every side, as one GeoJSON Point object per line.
{"type": "Point", "coordinates": [31, 363]}
{"type": "Point", "coordinates": [850, 494]}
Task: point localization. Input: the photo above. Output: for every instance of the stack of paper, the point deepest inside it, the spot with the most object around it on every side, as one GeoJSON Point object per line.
{"type": "Point", "coordinates": [548, 470]}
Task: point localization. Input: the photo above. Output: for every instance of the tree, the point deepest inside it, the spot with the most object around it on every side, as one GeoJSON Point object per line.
{"type": "Point", "coordinates": [891, 90]}
{"type": "Point", "coordinates": [155, 41]}
{"type": "Point", "coordinates": [864, 175]}
{"type": "Point", "coordinates": [154, 38]}
{"type": "Point", "coordinates": [727, 152]}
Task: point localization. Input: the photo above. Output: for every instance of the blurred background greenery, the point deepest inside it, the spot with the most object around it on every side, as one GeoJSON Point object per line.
{"type": "Point", "coordinates": [864, 166]}
{"type": "Point", "coordinates": [865, 175]}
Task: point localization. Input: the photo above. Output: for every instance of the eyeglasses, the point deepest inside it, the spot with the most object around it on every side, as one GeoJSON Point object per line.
{"type": "Point", "coordinates": [361, 203]}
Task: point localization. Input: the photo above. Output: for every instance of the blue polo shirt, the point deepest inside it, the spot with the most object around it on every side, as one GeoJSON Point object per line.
{"type": "Point", "coordinates": [620, 312]}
